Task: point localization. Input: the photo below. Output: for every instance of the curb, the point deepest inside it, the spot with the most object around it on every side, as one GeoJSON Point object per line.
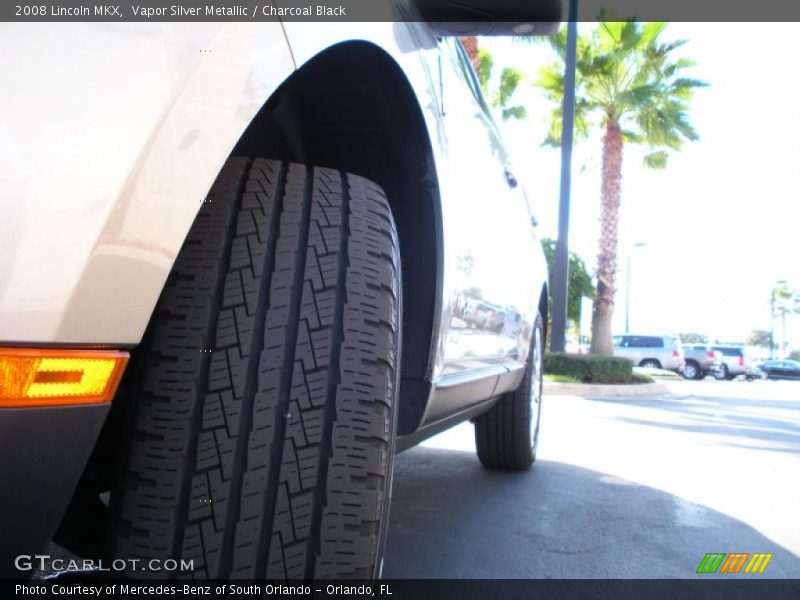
{"type": "Point", "coordinates": [592, 389]}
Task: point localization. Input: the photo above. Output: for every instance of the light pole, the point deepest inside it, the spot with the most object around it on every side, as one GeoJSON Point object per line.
{"type": "Point", "coordinates": [561, 266]}
{"type": "Point", "coordinates": [628, 287]}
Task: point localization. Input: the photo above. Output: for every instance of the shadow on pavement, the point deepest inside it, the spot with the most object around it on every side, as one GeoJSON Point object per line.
{"type": "Point", "coordinates": [700, 416]}
{"type": "Point", "coordinates": [708, 401]}
{"type": "Point", "coordinates": [451, 518]}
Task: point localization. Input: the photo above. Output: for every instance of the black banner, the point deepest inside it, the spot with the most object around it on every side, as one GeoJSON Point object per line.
{"type": "Point", "coordinates": [344, 11]}
{"type": "Point", "coordinates": [410, 589]}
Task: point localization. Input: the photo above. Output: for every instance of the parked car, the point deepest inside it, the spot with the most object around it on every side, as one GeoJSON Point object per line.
{"type": "Point", "coordinates": [734, 361]}
{"type": "Point", "coordinates": [223, 231]}
{"type": "Point", "coordinates": [701, 360]}
{"type": "Point", "coordinates": [781, 369]}
{"type": "Point", "coordinates": [754, 372]}
{"type": "Point", "coordinates": [654, 351]}
{"type": "Point", "coordinates": [484, 316]}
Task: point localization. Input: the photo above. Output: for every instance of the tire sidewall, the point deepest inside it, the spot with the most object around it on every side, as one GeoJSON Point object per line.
{"type": "Point", "coordinates": [693, 371]}
{"type": "Point", "coordinates": [535, 381]}
{"type": "Point", "coordinates": [383, 527]}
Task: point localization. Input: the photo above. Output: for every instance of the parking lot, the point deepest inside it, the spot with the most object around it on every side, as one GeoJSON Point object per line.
{"type": "Point", "coordinates": [622, 487]}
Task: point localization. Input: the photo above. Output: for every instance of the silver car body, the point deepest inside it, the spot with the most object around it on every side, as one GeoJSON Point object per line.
{"type": "Point", "coordinates": [707, 359]}
{"type": "Point", "coordinates": [112, 134]}
{"type": "Point", "coordinates": [666, 350]}
{"type": "Point", "coordinates": [734, 359]}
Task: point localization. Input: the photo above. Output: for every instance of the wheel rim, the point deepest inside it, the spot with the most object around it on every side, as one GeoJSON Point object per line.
{"type": "Point", "coordinates": [536, 387]}
{"type": "Point", "coordinates": [689, 371]}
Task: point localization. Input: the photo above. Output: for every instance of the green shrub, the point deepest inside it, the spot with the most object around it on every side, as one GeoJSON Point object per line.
{"type": "Point", "coordinates": [641, 378]}
{"type": "Point", "coordinates": [589, 368]}
{"type": "Point", "coordinates": [550, 378]}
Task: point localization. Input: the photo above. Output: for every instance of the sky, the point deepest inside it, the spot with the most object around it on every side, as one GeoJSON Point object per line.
{"type": "Point", "coordinates": [722, 223]}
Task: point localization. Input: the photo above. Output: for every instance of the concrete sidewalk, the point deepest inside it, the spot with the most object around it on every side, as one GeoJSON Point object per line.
{"type": "Point", "coordinates": [595, 389]}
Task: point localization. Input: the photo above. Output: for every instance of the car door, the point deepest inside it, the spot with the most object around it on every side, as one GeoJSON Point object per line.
{"type": "Point", "coordinates": [490, 250]}
{"type": "Point", "coordinates": [777, 370]}
{"type": "Point", "coordinates": [625, 348]}
{"type": "Point", "coordinates": [787, 370]}
{"type": "Point", "coordinates": [770, 368]}
{"type": "Point", "coordinates": [729, 359]}
{"type": "Point", "coordinates": [793, 370]}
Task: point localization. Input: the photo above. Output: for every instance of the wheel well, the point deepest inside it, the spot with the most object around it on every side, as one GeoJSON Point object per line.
{"type": "Point", "coordinates": [352, 108]}
{"type": "Point", "coordinates": [349, 108]}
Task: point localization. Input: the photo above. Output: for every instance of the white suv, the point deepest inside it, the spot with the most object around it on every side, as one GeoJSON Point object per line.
{"type": "Point", "coordinates": [655, 351]}
{"type": "Point", "coordinates": [734, 361]}
{"type": "Point", "coordinates": [268, 218]}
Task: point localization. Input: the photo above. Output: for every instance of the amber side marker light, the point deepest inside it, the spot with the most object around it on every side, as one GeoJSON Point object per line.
{"type": "Point", "coordinates": [31, 377]}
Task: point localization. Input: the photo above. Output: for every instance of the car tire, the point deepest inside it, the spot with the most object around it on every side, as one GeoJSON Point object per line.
{"type": "Point", "coordinates": [650, 363]}
{"type": "Point", "coordinates": [722, 373]}
{"type": "Point", "coordinates": [507, 435]}
{"type": "Point", "coordinates": [692, 370]}
{"type": "Point", "coordinates": [260, 441]}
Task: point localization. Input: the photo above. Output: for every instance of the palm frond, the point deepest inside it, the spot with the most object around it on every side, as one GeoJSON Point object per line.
{"type": "Point", "coordinates": [509, 81]}
{"type": "Point", "coordinates": [626, 72]}
{"type": "Point", "coordinates": [513, 112]}
{"type": "Point", "coordinates": [484, 68]}
{"type": "Point", "coordinates": [656, 160]}
{"type": "Point", "coordinates": [651, 31]}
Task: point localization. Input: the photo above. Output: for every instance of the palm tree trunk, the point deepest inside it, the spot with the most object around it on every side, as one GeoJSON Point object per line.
{"type": "Point", "coordinates": [783, 335]}
{"type": "Point", "coordinates": [609, 223]}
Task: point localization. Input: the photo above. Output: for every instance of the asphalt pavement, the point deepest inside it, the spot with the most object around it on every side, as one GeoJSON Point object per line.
{"type": "Point", "coordinates": [622, 487]}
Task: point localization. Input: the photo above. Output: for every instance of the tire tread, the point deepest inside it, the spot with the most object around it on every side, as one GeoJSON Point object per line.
{"type": "Point", "coordinates": [275, 461]}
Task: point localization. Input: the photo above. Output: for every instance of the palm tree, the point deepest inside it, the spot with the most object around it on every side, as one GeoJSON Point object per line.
{"type": "Point", "coordinates": [629, 83]}
{"type": "Point", "coordinates": [509, 82]}
{"type": "Point", "coordinates": [483, 63]}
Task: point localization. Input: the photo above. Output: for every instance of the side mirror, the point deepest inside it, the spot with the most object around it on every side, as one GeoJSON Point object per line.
{"type": "Point", "coordinates": [491, 17]}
